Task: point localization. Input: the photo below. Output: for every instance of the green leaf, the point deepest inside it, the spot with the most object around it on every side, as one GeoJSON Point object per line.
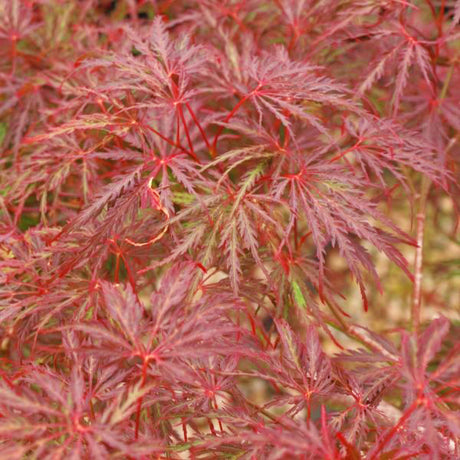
{"type": "Point", "coordinates": [2, 132]}
{"type": "Point", "coordinates": [298, 296]}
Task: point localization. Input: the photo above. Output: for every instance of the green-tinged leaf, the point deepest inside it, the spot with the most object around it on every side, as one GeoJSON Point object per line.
{"type": "Point", "coordinates": [124, 406]}
{"type": "Point", "coordinates": [2, 132]}
{"type": "Point", "coordinates": [248, 181]}
{"type": "Point", "coordinates": [183, 198]}
{"type": "Point", "coordinates": [298, 295]}
{"type": "Point", "coordinates": [289, 341]}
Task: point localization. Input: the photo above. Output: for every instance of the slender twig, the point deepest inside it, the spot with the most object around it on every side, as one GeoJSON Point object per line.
{"type": "Point", "coordinates": [227, 119]}
{"type": "Point", "coordinates": [384, 441]}
{"type": "Point", "coordinates": [418, 263]}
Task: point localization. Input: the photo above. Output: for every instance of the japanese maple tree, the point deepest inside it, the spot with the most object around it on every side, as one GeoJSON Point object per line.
{"type": "Point", "coordinates": [192, 193]}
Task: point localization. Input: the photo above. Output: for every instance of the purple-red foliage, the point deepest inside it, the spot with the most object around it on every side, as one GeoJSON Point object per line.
{"type": "Point", "coordinates": [174, 176]}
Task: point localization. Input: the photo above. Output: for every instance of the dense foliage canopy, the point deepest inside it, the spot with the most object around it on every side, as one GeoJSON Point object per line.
{"type": "Point", "coordinates": [189, 191]}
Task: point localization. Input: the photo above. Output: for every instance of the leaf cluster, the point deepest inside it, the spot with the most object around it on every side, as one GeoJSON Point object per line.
{"type": "Point", "coordinates": [180, 185]}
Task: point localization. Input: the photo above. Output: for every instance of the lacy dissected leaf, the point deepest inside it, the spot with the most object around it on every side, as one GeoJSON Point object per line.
{"type": "Point", "coordinates": [124, 307]}
{"type": "Point", "coordinates": [46, 405]}
{"type": "Point", "coordinates": [174, 329]}
{"type": "Point", "coordinates": [377, 152]}
{"type": "Point", "coordinates": [302, 367]}
{"type": "Point", "coordinates": [336, 214]}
